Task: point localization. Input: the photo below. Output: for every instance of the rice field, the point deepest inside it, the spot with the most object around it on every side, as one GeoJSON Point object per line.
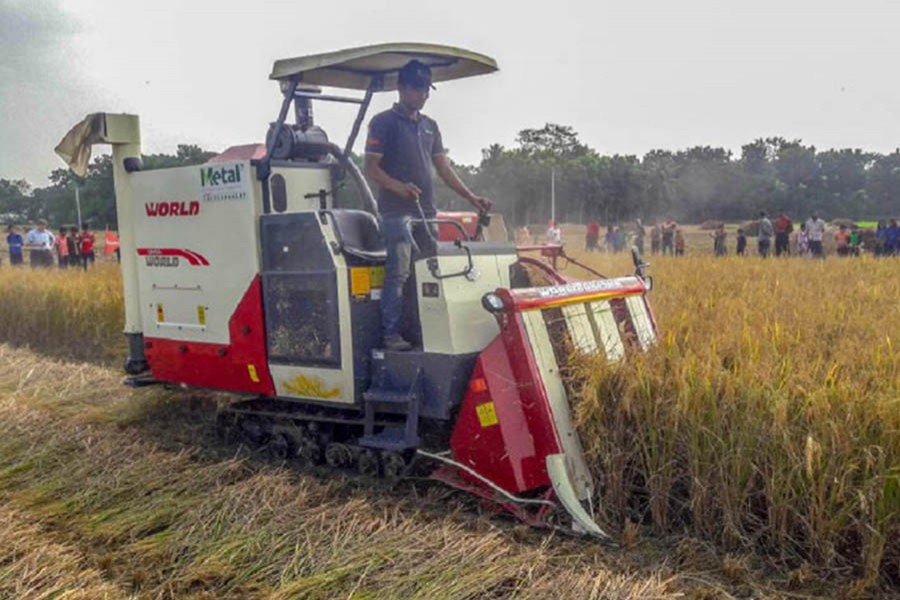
{"type": "Point", "coordinates": [755, 451]}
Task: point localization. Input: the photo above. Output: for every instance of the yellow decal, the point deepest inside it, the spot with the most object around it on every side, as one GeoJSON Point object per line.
{"type": "Point", "coordinates": [376, 277]}
{"type": "Point", "coordinates": [160, 314]}
{"type": "Point", "coordinates": [201, 314]}
{"type": "Point", "coordinates": [310, 387]}
{"type": "Point", "coordinates": [487, 415]}
{"type": "Point", "coordinates": [359, 281]}
{"type": "Point", "coordinates": [251, 370]}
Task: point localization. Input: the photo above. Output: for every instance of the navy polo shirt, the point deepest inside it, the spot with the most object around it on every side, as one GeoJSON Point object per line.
{"type": "Point", "coordinates": [406, 146]}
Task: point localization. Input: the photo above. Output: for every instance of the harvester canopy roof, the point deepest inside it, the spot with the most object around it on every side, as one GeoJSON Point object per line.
{"type": "Point", "coordinates": [354, 68]}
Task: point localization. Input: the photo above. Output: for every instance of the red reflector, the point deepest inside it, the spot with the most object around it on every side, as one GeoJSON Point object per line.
{"type": "Point", "coordinates": [478, 385]}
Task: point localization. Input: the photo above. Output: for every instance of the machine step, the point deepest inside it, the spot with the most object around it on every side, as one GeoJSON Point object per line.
{"type": "Point", "coordinates": [389, 438]}
{"type": "Point", "coordinates": [388, 396]}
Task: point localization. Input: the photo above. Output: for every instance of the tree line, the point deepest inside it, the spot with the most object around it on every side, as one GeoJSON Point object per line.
{"type": "Point", "coordinates": [694, 185]}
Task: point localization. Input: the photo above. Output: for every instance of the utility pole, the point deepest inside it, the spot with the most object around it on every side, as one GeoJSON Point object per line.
{"type": "Point", "coordinates": [78, 203]}
{"type": "Point", "coordinates": [552, 194]}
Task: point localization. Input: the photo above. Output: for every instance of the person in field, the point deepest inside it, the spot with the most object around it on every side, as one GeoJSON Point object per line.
{"type": "Point", "coordinates": [679, 242]}
{"type": "Point", "coordinates": [611, 239]}
{"type": "Point", "coordinates": [554, 233]}
{"type": "Point", "coordinates": [592, 236]}
{"type": "Point", "coordinates": [655, 239]}
{"type": "Point", "coordinates": [668, 237]}
{"type": "Point", "coordinates": [15, 243]}
{"type": "Point", "coordinates": [719, 237]}
{"type": "Point", "coordinates": [62, 248]}
{"type": "Point", "coordinates": [802, 240]}
{"type": "Point", "coordinates": [86, 246]}
{"type": "Point", "coordinates": [639, 234]}
{"type": "Point", "coordinates": [741, 249]}
{"type": "Point", "coordinates": [855, 242]}
{"type": "Point", "coordinates": [815, 231]}
{"type": "Point", "coordinates": [523, 236]}
{"type": "Point", "coordinates": [39, 242]}
{"type": "Point", "coordinates": [766, 231]}
{"type": "Point", "coordinates": [783, 229]}
{"type": "Point", "coordinates": [842, 241]}
{"type": "Point", "coordinates": [72, 244]}
{"type": "Point", "coordinates": [881, 238]}
{"type": "Point", "coordinates": [892, 239]}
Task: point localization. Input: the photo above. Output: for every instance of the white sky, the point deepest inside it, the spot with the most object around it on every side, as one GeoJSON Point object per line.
{"type": "Point", "coordinates": [629, 76]}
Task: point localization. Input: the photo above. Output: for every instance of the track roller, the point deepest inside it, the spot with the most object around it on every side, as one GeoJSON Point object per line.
{"type": "Point", "coordinates": [368, 463]}
{"type": "Point", "coordinates": [283, 446]}
{"type": "Point", "coordinates": [338, 456]}
{"type": "Point", "coordinates": [255, 431]}
{"type": "Point", "coordinates": [394, 465]}
{"type": "Point", "coordinates": [310, 451]}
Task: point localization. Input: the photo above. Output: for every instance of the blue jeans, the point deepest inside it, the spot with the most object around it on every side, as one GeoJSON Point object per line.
{"type": "Point", "coordinates": [399, 244]}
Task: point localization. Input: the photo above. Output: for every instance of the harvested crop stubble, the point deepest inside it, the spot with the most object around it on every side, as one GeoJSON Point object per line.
{"type": "Point", "coordinates": [34, 568]}
{"type": "Point", "coordinates": [768, 416]}
{"type": "Point", "coordinates": [113, 481]}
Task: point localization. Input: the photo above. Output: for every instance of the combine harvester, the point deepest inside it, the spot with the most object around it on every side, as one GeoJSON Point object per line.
{"type": "Point", "coordinates": [260, 272]}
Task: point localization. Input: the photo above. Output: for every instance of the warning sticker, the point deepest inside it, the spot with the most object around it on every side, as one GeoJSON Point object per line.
{"type": "Point", "coordinates": [201, 314]}
{"type": "Point", "coordinates": [251, 371]}
{"type": "Point", "coordinates": [360, 281]}
{"type": "Point", "coordinates": [487, 414]}
{"type": "Point", "coordinates": [376, 277]}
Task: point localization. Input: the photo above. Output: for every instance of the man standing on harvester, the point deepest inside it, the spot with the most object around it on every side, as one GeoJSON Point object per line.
{"type": "Point", "coordinates": [402, 146]}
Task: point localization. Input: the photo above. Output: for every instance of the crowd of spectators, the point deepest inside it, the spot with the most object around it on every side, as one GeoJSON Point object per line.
{"type": "Point", "coordinates": [72, 247]}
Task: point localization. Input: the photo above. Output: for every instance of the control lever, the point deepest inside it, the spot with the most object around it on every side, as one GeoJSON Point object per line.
{"type": "Point", "coordinates": [640, 268]}
{"type": "Point", "coordinates": [469, 272]}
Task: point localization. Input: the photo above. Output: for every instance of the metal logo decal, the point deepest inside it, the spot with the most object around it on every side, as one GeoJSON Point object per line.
{"type": "Point", "coordinates": [223, 182]}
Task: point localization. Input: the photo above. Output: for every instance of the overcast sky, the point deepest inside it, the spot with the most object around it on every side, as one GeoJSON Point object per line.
{"type": "Point", "coordinates": [628, 76]}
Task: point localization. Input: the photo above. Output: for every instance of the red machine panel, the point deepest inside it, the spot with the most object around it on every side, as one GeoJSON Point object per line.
{"type": "Point", "coordinates": [240, 366]}
{"type": "Point", "coordinates": [450, 233]}
{"type": "Point", "coordinates": [505, 428]}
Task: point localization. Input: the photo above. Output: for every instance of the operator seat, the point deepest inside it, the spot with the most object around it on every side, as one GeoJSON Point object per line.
{"type": "Point", "coordinates": [357, 232]}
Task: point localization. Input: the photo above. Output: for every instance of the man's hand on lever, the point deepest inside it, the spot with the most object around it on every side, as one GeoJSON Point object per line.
{"type": "Point", "coordinates": [481, 204]}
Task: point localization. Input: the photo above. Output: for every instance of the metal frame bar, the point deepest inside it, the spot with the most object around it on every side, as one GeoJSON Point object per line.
{"type": "Point", "coordinates": [265, 165]}
{"type": "Point", "coordinates": [374, 85]}
{"type": "Point", "coordinates": [328, 97]}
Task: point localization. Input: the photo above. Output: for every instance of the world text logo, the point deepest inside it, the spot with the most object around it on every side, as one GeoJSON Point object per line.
{"type": "Point", "coordinates": [172, 209]}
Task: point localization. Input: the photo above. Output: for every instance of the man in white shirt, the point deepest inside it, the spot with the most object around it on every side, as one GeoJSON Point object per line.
{"type": "Point", "coordinates": [554, 233]}
{"type": "Point", "coordinates": [815, 231]}
{"type": "Point", "coordinates": [40, 242]}
{"type": "Point", "coordinates": [766, 231]}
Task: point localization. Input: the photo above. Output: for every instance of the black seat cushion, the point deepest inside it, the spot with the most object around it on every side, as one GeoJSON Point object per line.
{"type": "Point", "coordinates": [358, 233]}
